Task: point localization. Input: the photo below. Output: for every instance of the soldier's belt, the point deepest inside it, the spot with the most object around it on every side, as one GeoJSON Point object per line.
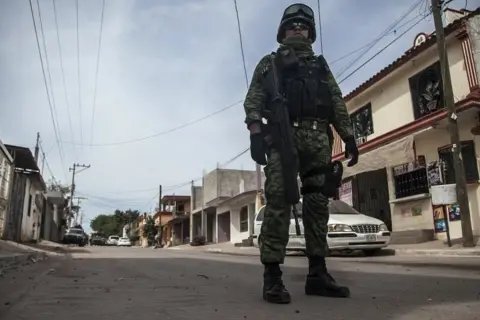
{"type": "Point", "coordinates": [318, 125]}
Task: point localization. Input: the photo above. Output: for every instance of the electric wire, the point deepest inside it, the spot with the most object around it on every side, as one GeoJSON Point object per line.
{"type": "Point", "coordinates": [383, 49]}
{"type": "Point", "coordinates": [159, 133]}
{"type": "Point", "coordinates": [79, 86]}
{"type": "Point", "coordinates": [46, 86]}
{"type": "Point", "coordinates": [97, 71]}
{"type": "Point", "coordinates": [47, 61]}
{"type": "Point", "coordinates": [241, 43]}
{"type": "Point", "coordinates": [67, 102]}
{"type": "Point", "coordinates": [320, 32]}
{"type": "Point", "coordinates": [384, 33]}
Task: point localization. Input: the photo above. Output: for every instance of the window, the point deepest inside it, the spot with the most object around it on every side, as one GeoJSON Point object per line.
{"type": "Point", "coordinates": [469, 162]}
{"type": "Point", "coordinates": [426, 90]}
{"type": "Point", "coordinates": [362, 121]}
{"type": "Point", "coordinates": [244, 219]}
{"type": "Point", "coordinates": [410, 179]}
{"type": "Point", "coordinates": [180, 208]}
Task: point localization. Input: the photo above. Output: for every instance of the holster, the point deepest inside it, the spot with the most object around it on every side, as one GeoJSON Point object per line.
{"type": "Point", "coordinates": [333, 173]}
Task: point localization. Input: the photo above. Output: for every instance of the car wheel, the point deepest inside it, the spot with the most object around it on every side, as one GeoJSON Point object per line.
{"type": "Point", "coordinates": [371, 252]}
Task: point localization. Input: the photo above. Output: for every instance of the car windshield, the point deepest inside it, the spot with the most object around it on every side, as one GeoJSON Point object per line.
{"type": "Point", "coordinates": [124, 239]}
{"type": "Point", "coordinates": [114, 238]}
{"type": "Point", "coordinates": [340, 207]}
{"type": "Point", "coordinates": [76, 231]}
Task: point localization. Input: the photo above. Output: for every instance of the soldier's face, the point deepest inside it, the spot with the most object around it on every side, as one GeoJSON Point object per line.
{"type": "Point", "coordinates": [296, 28]}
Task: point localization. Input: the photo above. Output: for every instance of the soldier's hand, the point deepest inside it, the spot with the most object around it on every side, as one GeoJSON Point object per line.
{"type": "Point", "coordinates": [351, 151]}
{"type": "Point", "coordinates": [258, 148]}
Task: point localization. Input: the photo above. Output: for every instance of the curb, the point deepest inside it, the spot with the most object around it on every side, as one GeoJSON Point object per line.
{"type": "Point", "coordinates": [21, 259]}
{"type": "Point", "coordinates": [29, 250]}
{"type": "Point", "coordinates": [438, 252]}
{"type": "Point", "coordinates": [392, 252]}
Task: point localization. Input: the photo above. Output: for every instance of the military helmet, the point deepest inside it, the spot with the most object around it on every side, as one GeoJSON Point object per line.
{"type": "Point", "coordinates": [297, 12]}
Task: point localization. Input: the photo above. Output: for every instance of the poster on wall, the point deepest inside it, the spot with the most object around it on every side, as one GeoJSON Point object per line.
{"type": "Point", "coordinates": [453, 212]}
{"type": "Point", "coordinates": [434, 173]}
{"type": "Point", "coordinates": [345, 193]}
{"type": "Point", "coordinates": [439, 219]}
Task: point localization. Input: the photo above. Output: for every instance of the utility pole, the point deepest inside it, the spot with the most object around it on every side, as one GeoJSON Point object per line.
{"type": "Point", "coordinates": [37, 147]}
{"type": "Point", "coordinates": [43, 161]}
{"type": "Point", "coordinates": [160, 208]}
{"type": "Point", "coordinates": [72, 187]}
{"type": "Point", "coordinates": [77, 213]}
{"type": "Point", "coordinates": [462, 195]}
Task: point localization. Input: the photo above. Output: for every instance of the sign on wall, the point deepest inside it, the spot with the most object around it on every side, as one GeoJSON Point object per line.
{"type": "Point", "coordinates": [345, 193]}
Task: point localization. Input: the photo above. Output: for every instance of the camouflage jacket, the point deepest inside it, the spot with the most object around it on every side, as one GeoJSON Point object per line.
{"type": "Point", "coordinates": [257, 96]}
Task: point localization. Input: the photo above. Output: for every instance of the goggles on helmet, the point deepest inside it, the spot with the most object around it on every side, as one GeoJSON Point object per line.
{"type": "Point", "coordinates": [295, 24]}
{"type": "Point", "coordinates": [295, 9]}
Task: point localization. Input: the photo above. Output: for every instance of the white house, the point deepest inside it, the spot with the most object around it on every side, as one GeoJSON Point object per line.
{"type": "Point", "coordinates": [402, 129]}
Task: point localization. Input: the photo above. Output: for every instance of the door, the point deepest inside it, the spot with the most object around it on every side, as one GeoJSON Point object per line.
{"type": "Point", "coordinates": [223, 234]}
{"type": "Point", "coordinates": [370, 195]}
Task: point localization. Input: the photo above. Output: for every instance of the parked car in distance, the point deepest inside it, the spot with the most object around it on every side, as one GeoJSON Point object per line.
{"type": "Point", "coordinates": [348, 230]}
{"type": "Point", "coordinates": [75, 236]}
{"type": "Point", "coordinates": [97, 241]}
{"type": "Point", "coordinates": [112, 240]}
{"type": "Point", "coordinates": [124, 242]}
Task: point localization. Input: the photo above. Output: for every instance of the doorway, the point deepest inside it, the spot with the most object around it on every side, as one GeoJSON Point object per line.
{"type": "Point", "coordinates": [223, 234]}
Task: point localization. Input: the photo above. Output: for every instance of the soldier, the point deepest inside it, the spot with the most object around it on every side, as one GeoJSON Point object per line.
{"type": "Point", "coordinates": [314, 101]}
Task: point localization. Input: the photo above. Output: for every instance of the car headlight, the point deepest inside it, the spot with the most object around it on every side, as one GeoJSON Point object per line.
{"type": "Point", "coordinates": [383, 227]}
{"type": "Point", "coordinates": [339, 228]}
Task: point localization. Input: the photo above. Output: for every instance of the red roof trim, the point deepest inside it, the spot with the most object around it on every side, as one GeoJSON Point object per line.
{"type": "Point", "coordinates": [407, 56]}
{"type": "Point", "coordinates": [472, 100]}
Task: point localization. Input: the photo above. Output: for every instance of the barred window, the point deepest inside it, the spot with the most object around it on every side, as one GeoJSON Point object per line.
{"type": "Point", "coordinates": [410, 179]}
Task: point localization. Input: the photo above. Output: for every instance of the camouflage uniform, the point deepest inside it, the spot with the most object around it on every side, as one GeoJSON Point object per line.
{"type": "Point", "coordinates": [312, 150]}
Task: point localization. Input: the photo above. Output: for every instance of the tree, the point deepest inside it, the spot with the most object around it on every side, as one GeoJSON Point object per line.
{"type": "Point", "coordinates": [112, 224]}
{"type": "Point", "coordinates": [149, 229]}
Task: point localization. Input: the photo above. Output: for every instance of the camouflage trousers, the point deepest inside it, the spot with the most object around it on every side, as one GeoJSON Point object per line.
{"type": "Point", "coordinates": [312, 150]}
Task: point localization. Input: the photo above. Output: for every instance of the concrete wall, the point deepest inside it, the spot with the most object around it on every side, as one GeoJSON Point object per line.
{"type": "Point", "coordinates": [390, 97]}
{"type": "Point", "coordinates": [227, 183]}
{"type": "Point", "coordinates": [31, 218]}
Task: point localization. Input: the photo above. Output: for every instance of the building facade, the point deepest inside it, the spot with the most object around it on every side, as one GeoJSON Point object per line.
{"type": "Point", "coordinates": [401, 126]}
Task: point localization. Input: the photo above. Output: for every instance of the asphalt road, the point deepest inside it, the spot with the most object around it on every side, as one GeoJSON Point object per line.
{"type": "Point", "coordinates": [135, 283]}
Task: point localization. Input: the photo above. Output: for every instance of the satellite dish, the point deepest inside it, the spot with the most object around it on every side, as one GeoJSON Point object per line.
{"type": "Point", "coordinates": [419, 39]}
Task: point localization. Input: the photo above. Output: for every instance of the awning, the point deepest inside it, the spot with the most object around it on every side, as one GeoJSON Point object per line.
{"type": "Point", "coordinates": [392, 154]}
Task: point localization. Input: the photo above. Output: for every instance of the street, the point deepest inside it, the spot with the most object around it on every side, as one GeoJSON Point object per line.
{"type": "Point", "coordinates": [137, 283]}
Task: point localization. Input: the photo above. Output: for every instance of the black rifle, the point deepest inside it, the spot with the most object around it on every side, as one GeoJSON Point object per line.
{"type": "Point", "coordinates": [281, 131]}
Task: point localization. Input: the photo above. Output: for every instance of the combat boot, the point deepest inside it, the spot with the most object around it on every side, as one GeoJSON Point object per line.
{"type": "Point", "coordinates": [321, 283]}
{"type": "Point", "coordinates": [273, 289]}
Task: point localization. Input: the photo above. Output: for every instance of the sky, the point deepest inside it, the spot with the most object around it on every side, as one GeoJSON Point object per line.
{"type": "Point", "coordinates": [162, 65]}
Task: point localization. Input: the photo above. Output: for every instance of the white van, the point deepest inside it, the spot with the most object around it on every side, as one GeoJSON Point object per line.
{"type": "Point", "coordinates": [348, 230]}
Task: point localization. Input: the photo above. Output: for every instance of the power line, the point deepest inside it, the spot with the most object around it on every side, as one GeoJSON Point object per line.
{"type": "Point", "coordinates": [383, 49]}
{"type": "Point", "coordinates": [62, 69]}
{"type": "Point", "coordinates": [46, 86]}
{"type": "Point", "coordinates": [382, 35]}
{"type": "Point", "coordinates": [79, 87]}
{"type": "Point", "coordinates": [320, 33]}
{"type": "Point", "coordinates": [159, 133]}
{"type": "Point", "coordinates": [241, 43]}
{"type": "Point", "coordinates": [96, 73]}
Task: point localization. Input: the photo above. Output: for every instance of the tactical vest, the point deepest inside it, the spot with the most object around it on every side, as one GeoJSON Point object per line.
{"type": "Point", "coordinates": [306, 90]}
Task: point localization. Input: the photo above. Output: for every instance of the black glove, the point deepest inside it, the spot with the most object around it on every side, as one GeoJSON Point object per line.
{"type": "Point", "coordinates": [258, 148]}
{"type": "Point", "coordinates": [351, 150]}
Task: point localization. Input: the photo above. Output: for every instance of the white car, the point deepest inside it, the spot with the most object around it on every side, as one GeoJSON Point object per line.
{"type": "Point", "coordinates": [112, 240]}
{"type": "Point", "coordinates": [348, 230]}
{"type": "Point", "coordinates": [124, 242]}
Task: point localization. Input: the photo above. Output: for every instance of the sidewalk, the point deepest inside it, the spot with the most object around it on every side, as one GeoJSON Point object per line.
{"type": "Point", "coordinates": [433, 248]}
{"type": "Point", "coordinates": [14, 255]}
